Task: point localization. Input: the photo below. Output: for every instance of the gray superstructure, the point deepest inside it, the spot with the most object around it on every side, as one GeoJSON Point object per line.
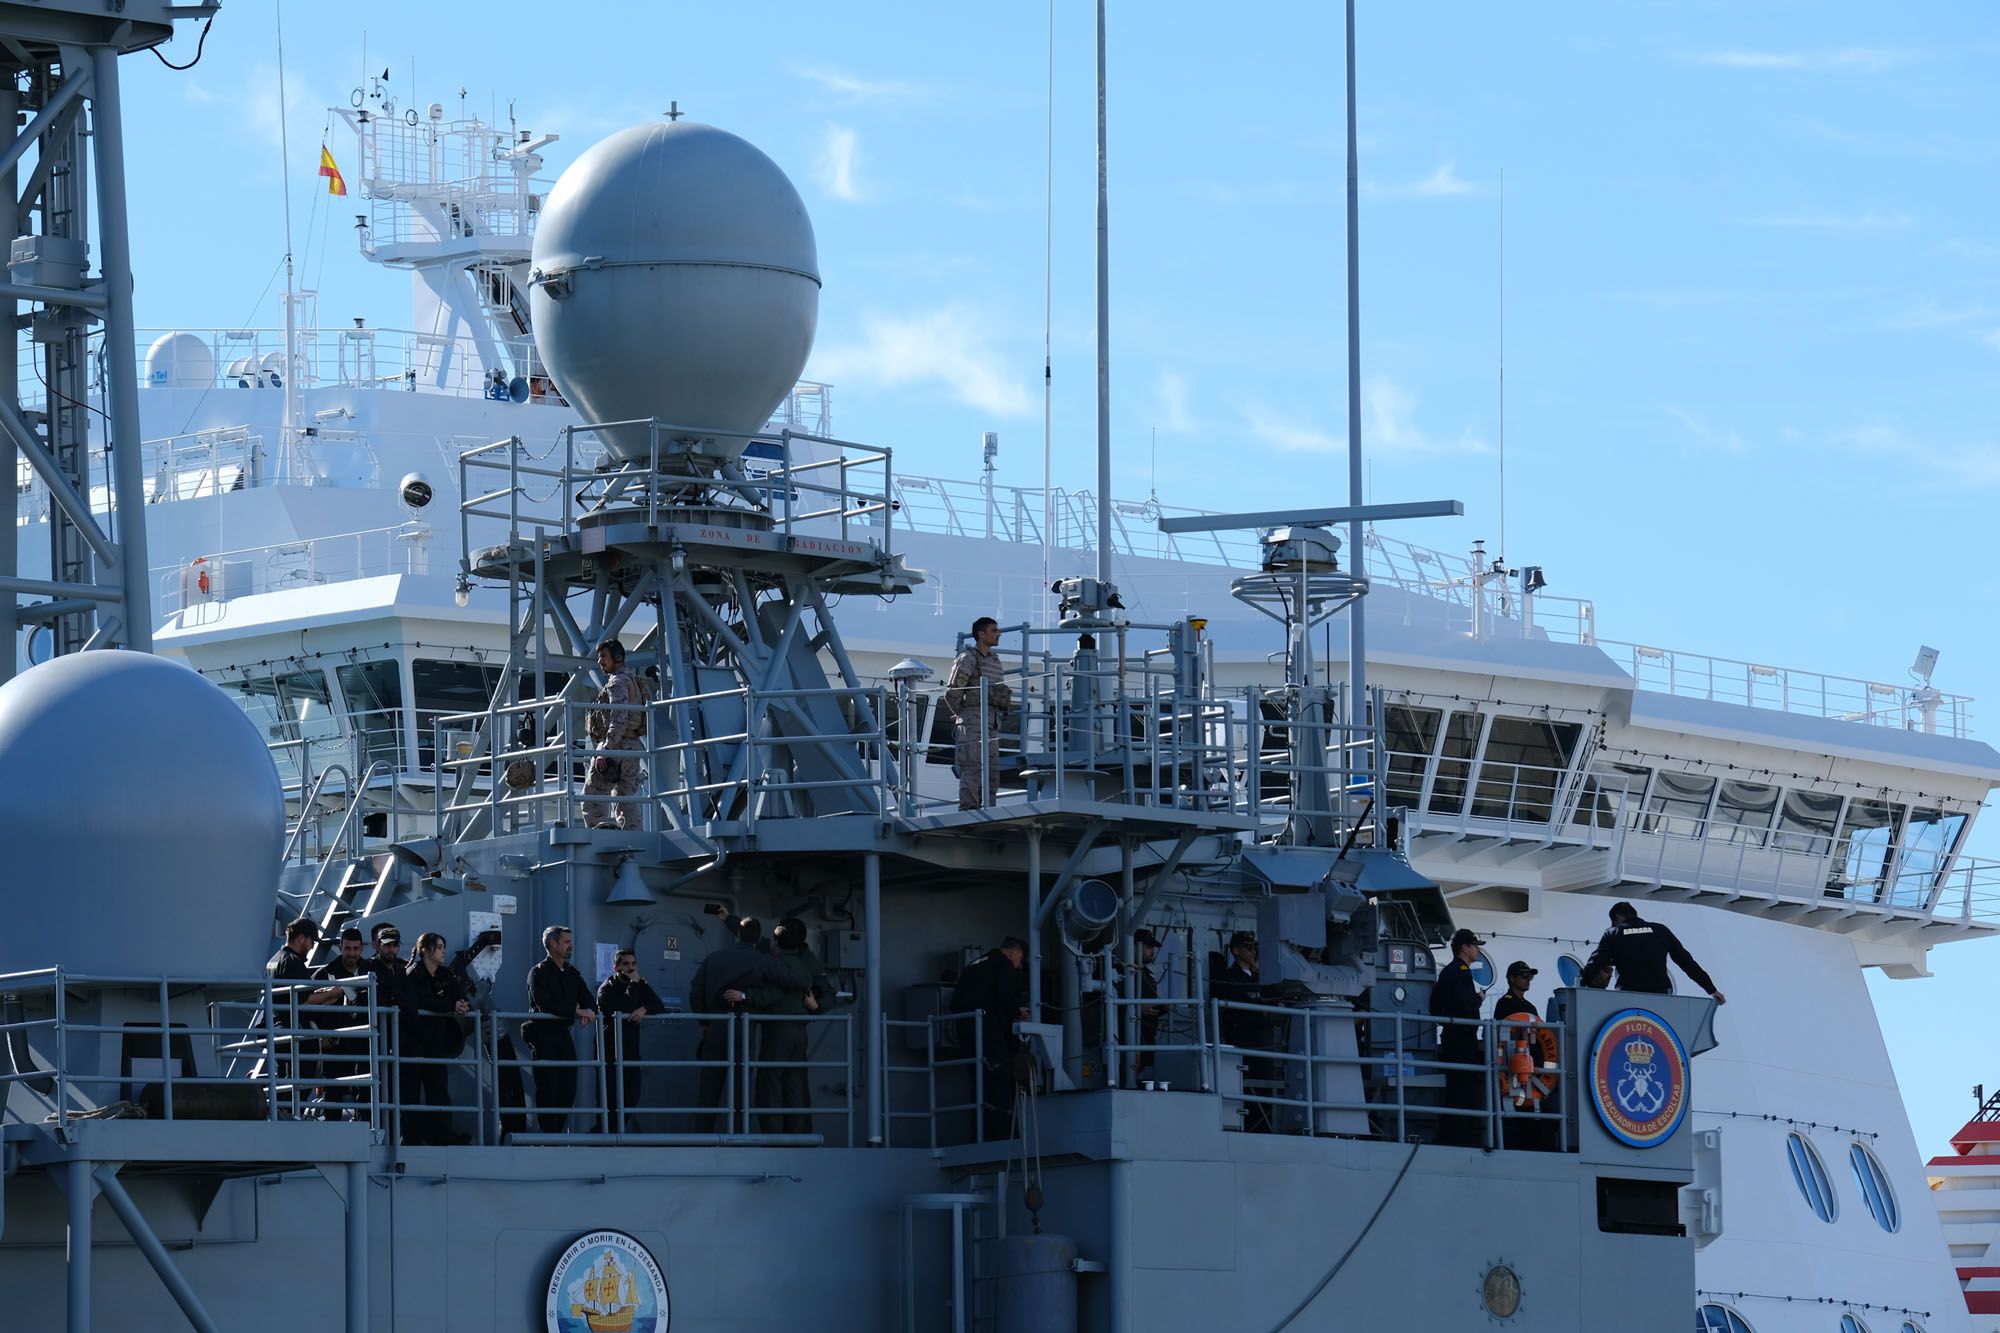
{"type": "Point", "coordinates": [1246, 1159]}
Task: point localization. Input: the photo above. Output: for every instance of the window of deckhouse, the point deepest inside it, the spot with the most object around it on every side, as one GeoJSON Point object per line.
{"type": "Point", "coordinates": [1876, 1193]}
{"type": "Point", "coordinates": [374, 694]}
{"type": "Point", "coordinates": [1810, 1176]}
{"type": "Point", "coordinates": [292, 709]}
{"type": "Point", "coordinates": [1851, 1323]}
{"type": "Point", "coordinates": [1806, 821]}
{"type": "Point", "coordinates": [1927, 842]}
{"type": "Point", "coordinates": [1867, 845]}
{"type": "Point", "coordinates": [1461, 742]}
{"type": "Point", "coordinates": [1743, 812]}
{"type": "Point", "coordinates": [1679, 803]}
{"type": "Point", "coordinates": [1612, 794]}
{"type": "Point", "coordinates": [1409, 735]}
{"type": "Point", "coordinates": [445, 688]}
{"type": "Point", "coordinates": [1524, 763]}
{"type": "Point", "coordinates": [1719, 1319]}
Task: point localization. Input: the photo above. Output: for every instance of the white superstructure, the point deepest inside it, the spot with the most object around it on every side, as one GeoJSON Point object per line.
{"type": "Point", "coordinates": [1793, 828]}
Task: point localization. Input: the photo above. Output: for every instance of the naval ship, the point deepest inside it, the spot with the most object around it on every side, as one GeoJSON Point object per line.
{"type": "Point", "coordinates": [606, 418]}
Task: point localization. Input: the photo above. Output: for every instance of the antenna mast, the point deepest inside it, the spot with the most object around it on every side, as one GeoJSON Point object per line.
{"type": "Point", "coordinates": [1103, 327]}
{"type": "Point", "coordinates": [288, 429]}
{"type": "Point", "coordinates": [1357, 634]}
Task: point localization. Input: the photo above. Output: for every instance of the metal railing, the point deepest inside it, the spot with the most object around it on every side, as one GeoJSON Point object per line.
{"type": "Point", "coordinates": [333, 558]}
{"type": "Point", "coordinates": [210, 1050]}
{"type": "Point", "coordinates": [1790, 690]}
{"type": "Point", "coordinates": [263, 1050]}
{"type": "Point", "coordinates": [946, 1051]}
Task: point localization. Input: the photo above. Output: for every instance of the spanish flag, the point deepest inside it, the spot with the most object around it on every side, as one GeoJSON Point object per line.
{"type": "Point", "coordinates": [335, 182]}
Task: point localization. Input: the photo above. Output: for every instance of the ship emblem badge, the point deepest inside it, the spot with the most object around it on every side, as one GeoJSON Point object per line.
{"type": "Point", "coordinates": [607, 1282]}
{"type": "Point", "coordinates": [1639, 1078]}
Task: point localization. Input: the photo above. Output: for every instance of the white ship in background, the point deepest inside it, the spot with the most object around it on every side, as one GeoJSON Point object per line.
{"type": "Point", "coordinates": [1793, 828]}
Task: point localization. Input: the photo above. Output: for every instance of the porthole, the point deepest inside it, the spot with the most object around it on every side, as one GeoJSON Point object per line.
{"type": "Point", "coordinates": [1719, 1319]}
{"type": "Point", "coordinates": [1571, 972]}
{"type": "Point", "coordinates": [1500, 1291]}
{"type": "Point", "coordinates": [1482, 971]}
{"type": "Point", "coordinates": [1876, 1193]}
{"type": "Point", "coordinates": [1810, 1176]}
{"type": "Point", "coordinates": [1851, 1323]}
{"type": "Point", "coordinates": [1911, 1326]}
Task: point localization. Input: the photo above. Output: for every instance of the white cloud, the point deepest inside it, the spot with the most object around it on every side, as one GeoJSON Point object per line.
{"type": "Point", "coordinates": [854, 88]}
{"type": "Point", "coordinates": [1968, 465]}
{"type": "Point", "coordinates": [838, 155]}
{"type": "Point", "coordinates": [1864, 58]}
{"type": "Point", "coordinates": [1388, 425]}
{"type": "Point", "coordinates": [1871, 221]}
{"type": "Point", "coordinates": [949, 347]}
{"type": "Point", "coordinates": [1444, 183]}
{"type": "Point", "coordinates": [1171, 405]}
{"type": "Point", "coordinates": [1719, 437]}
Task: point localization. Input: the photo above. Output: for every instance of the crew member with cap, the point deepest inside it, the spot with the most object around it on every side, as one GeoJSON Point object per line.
{"type": "Point", "coordinates": [782, 1085]}
{"type": "Point", "coordinates": [1239, 981]}
{"type": "Point", "coordinates": [558, 990]}
{"type": "Point", "coordinates": [1538, 1134]}
{"type": "Point", "coordinates": [976, 714]}
{"type": "Point", "coordinates": [1639, 949]}
{"type": "Point", "coordinates": [996, 987]}
{"type": "Point", "coordinates": [1457, 995]}
{"type": "Point", "coordinates": [722, 986]}
{"type": "Point", "coordinates": [619, 727]}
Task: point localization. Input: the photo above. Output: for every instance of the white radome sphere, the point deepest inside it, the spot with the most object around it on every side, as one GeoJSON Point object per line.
{"type": "Point", "coordinates": [676, 278]}
{"type": "Point", "coordinates": [179, 361]}
{"type": "Point", "coordinates": [142, 820]}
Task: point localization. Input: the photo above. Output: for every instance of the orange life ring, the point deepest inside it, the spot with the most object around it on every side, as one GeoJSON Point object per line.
{"type": "Point", "coordinates": [1528, 1061]}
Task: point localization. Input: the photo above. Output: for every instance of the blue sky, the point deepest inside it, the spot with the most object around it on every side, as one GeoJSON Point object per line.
{"type": "Point", "coordinates": [1751, 269]}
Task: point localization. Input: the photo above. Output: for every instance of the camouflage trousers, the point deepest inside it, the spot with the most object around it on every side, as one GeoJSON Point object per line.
{"type": "Point", "coordinates": [621, 780]}
{"type": "Point", "coordinates": [977, 759]}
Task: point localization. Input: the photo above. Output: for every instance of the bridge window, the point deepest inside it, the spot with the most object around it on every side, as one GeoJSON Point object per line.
{"type": "Point", "coordinates": [1806, 820]}
{"type": "Point", "coordinates": [444, 688]}
{"type": "Point", "coordinates": [1719, 1319]}
{"type": "Point", "coordinates": [1867, 842]}
{"type": "Point", "coordinates": [1743, 812]}
{"type": "Point", "coordinates": [1525, 759]}
{"type": "Point", "coordinates": [1679, 803]}
{"type": "Point", "coordinates": [374, 693]}
{"type": "Point", "coordinates": [1611, 795]}
{"type": "Point", "coordinates": [1810, 1176]}
{"type": "Point", "coordinates": [1927, 841]}
{"type": "Point", "coordinates": [1875, 1191]}
{"type": "Point", "coordinates": [1461, 742]}
{"type": "Point", "coordinates": [1410, 736]}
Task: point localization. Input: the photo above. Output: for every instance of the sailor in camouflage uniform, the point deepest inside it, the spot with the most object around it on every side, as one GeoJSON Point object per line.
{"type": "Point", "coordinates": [976, 728]}
{"type": "Point", "coordinates": [614, 729]}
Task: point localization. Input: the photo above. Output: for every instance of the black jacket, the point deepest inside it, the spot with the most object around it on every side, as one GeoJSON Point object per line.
{"type": "Point", "coordinates": [1511, 1004]}
{"type": "Point", "coordinates": [1000, 989]}
{"type": "Point", "coordinates": [430, 1000]}
{"type": "Point", "coordinates": [1640, 950]}
{"type": "Point", "coordinates": [1241, 1027]}
{"type": "Point", "coordinates": [619, 996]}
{"type": "Point", "coordinates": [288, 966]}
{"type": "Point", "coordinates": [1456, 995]}
{"type": "Point", "coordinates": [732, 967]}
{"type": "Point", "coordinates": [556, 989]}
{"type": "Point", "coordinates": [349, 995]}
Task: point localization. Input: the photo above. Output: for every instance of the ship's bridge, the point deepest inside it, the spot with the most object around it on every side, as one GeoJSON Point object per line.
{"type": "Point", "coordinates": [1502, 803]}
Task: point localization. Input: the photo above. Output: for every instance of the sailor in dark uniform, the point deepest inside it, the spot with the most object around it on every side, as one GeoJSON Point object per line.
{"type": "Point", "coordinates": [289, 964]}
{"type": "Point", "coordinates": [722, 985]}
{"type": "Point", "coordinates": [995, 986]}
{"type": "Point", "coordinates": [1456, 995]}
{"type": "Point", "coordinates": [1240, 981]}
{"type": "Point", "coordinates": [556, 989]}
{"type": "Point", "coordinates": [1639, 950]}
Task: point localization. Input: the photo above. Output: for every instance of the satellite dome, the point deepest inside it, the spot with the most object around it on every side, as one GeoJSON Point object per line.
{"type": "Point", "coordinates": [179, 361]}
{"type": "Point", "coordinates": [143, 822]}
{"type": "Point", "coordinates": [676, 277]}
